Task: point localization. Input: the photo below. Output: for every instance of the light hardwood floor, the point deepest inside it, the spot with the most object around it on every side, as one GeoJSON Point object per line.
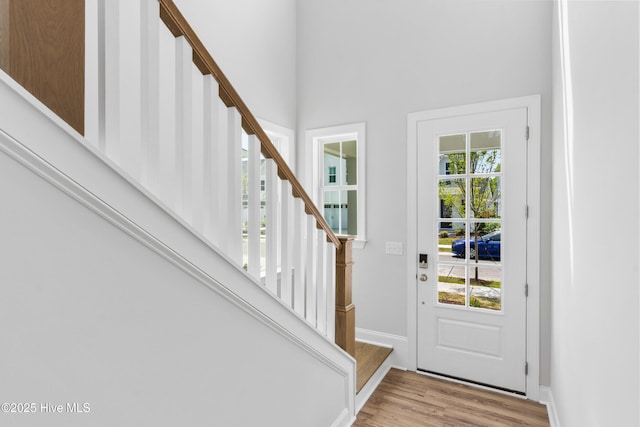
{"type": "Point", "coordinates": [408, 399]}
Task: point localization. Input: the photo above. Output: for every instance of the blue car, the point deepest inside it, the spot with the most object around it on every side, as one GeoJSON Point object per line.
{"type": "Point", "coordinates": [488, 247]}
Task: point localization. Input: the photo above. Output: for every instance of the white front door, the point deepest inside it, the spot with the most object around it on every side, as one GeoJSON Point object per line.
{"type": "Point", "coordinates": [472, 209]}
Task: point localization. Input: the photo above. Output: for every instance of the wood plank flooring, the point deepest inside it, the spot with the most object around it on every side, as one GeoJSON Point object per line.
{"type": "Point", "coordinates": [369, 357]}
{"type": "Point", "coordinates": [408, 399]}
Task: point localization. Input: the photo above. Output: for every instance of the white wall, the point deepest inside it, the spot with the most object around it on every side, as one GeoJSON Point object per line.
{"type": "Point", "coordinates": [253, 42]}
{"type": "Point", "coordinates": [377, 61]}
{"type": "Point", "coordinates": [594, 363]}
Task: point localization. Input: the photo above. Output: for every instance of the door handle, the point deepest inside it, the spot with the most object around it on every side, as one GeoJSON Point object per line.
{"type": "Point", "coordinates": [423, 277]}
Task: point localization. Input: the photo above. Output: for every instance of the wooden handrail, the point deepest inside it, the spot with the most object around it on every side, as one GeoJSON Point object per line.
{"type": "Point", "coordinates": [178, 25]}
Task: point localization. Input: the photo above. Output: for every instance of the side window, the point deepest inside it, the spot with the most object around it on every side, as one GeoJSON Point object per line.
{"type": "Point", "coordinates": [338, 159]}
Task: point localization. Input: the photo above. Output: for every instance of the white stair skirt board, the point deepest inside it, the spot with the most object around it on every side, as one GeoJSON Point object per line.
{"type": "Point", "coordinates": [546, 397]}
{"type": "Point", "coordinates": [398, 357]}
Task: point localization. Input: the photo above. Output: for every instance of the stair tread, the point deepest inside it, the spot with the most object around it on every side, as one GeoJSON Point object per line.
{"type": "Point", "coordinates": [369, 358]}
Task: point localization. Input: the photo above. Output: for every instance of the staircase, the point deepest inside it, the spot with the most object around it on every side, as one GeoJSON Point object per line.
{"type": "Point", "coordinates": [135, 231]}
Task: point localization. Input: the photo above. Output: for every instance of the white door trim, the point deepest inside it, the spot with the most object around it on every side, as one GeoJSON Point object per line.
{"type": "Point", "coordinates": [532, 103]}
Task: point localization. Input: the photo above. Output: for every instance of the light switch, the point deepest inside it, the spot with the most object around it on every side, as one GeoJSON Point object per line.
{"type": "Point", "coordinates": [394, 248]}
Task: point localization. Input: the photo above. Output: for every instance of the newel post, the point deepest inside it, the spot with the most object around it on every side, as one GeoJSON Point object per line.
{"type": "Point", "coordinates": [345, 310]}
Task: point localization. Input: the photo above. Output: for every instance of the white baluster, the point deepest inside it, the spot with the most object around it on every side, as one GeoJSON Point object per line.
{"type": "Point", "coordinates": [198, 152]}
{"type": "Point", "coordinates": [221, 176]}
{"type": "Point", "coordinates": [131, 81]}
{"type": "Point", "coordinates": [310, 270]}
{"type": "Point", "coordinates": [210, 125]}
{"type": "Point", "coordinates": [272, 225]}
{"type": "Point", "coordinates": [234, 181]}
{"type": "Point", "coordinates": [286, 293]}
{"type": "Point", "coordinates": [299, 227]}
{"type": "Point", "coordinates": [184, 132]}
{"type": "Point", "coordinates": [321, 283]}
{"type": "Point", "coordinates": [253, 206]}
{"type": "Point", "coordinates": [330, 278]}
{"type": "Point", "coordinates": [149, 94]}
{"type": "Point", "coordinates": [167, 96]}
{"type": "Point", "coordinates": [109, 79]}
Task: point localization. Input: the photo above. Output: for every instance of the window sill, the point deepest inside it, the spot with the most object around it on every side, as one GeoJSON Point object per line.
{"type": "Point", "coordinates": [359, 244]}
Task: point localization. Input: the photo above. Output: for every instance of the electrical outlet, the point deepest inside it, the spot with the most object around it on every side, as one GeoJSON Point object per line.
{"type": "Point", "coordinates": [394, 248]}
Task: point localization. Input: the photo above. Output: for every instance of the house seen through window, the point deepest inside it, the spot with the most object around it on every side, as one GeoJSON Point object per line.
{"type": "Point", "coordinates": [332, 174]}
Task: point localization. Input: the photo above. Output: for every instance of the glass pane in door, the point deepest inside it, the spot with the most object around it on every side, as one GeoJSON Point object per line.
{"type": "Point", "coordinates": [485, 198]}
{"type": "Point", "coordinates": [485, 152]}
{"type": "Point", "coordinates": [485, 287]}
{"type": "Point", "coordinates": [452, 288]}
{"type": "Point", "coordinates": [451, 241]}
{"type": "Point", "coordinates": [453, 203]}
{"type": "Point", "coordinates": [452, 155]}
{"type": "Point", "coordinates": [485, 243]}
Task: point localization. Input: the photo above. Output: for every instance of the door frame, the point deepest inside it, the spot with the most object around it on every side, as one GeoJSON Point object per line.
{"type": "Point", "coordinates": [532, 103]}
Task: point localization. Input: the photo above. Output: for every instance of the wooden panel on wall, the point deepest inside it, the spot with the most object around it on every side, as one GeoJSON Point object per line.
{"type": "Point", "coordinates": [4, 35]}
{"type": "Point", "coordinates": [46, 53]}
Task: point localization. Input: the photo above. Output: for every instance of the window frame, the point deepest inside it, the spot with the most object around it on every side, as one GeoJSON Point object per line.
{"type": "Point", "coordinates": [316, 139]}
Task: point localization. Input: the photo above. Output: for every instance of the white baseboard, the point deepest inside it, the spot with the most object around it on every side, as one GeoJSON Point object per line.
{"type": "Point", "coordinates": [399, 357]}
{"type": "Point", "coordinates": [546, 397]}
